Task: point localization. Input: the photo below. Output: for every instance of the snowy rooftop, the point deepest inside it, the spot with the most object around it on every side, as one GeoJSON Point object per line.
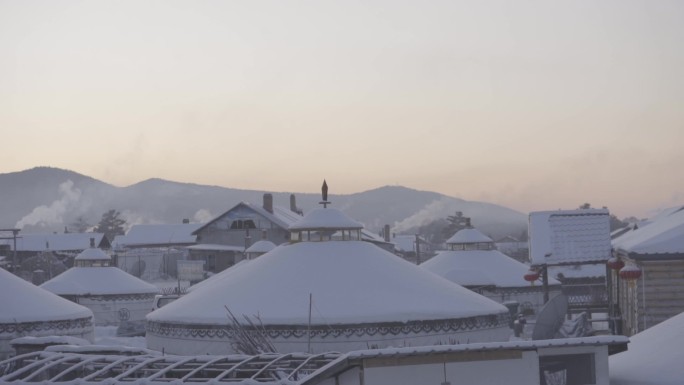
{"type": "Point", "coordinates": [654, 356]}
{"type": "Point", "coordinates": [215, 247]}
{"type": "Point", "coordinates": [92, 254]}
{"type": "Point", "coordinates": [325, 219]}
{"type": "Point", "coordinates": [351, 282]}
{"type": "Point", "coordinates": [569, 236]}
{"type": "Point", "coordinates": [159, 234]}
{"type": "Point", "coordinates": [281, 216]}
{"type": "Point", "coordinates": [54, 242]}
{"type": "Point", "coordinates": [262, 246]}
{"type": "Point", "coordinates": [480, 268]}
{"type": "Point", "coordinates": [405, 243]}
{"type": "Point", "coordinates": [22, 301]}
{"type": "Point", "coordinates": [663, 235]}
{"type": "Point", "coordinates": [106, 280]}
{"type": "Point", "coordinates": [466, 236]}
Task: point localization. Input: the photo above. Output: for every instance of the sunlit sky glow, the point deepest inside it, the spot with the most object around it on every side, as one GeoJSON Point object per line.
{"type": "Point", "coordinates": [534, 105]}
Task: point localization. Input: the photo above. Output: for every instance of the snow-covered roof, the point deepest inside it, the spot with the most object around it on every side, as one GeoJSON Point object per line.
{"type": "Point", "coordinates": [159, 235]}
{"type": "Point", "coordinates": [569, 236]}
{"type": "Point", "coordinates": [22, 301]}
{"type": "Point", "coordinates": [466, 236]}
{"type": "Point", "coordinates": [479, 268]}
{"type": "Point", "coordinates": [325, 219]}
{"type": "Point", "coordinates": [280, 216]}
{"type": "Point", "coordinates": [262, 246]}
{"type": "Point", "coordinates": [92, 254]}
{"type": "Point", "coordinates": [350, 282]}
{"type": "Point", "coordinates": [654, 356]}
{"type": "Point", "coordinates": [664, 235]}
{"type": "Point", "coordinates": [106, 280]}
{"type": "Point", "coordinates": [56, 242]}
{"type": "Point", "coordinates": [405, 243]}
{"type": "Point", "coordinates": [215, 247]}
{"type": "Point", "coordinates": [51, 340]}
{"type": "Point", "coordinates": [578, 271]}
{"type": "Point", "coordinates": [225, 274]}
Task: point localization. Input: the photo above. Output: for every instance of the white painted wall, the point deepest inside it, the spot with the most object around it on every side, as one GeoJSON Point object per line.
{"type": "Point", "coordinates": [522, 371]}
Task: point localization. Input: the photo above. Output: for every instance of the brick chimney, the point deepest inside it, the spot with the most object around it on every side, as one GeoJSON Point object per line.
{"type": "Point", "coordinates": [293, 205]}
{"type": "Point", "coordinates": [268, 202]}
{"type": "Point", "coordinates": [386, 233]}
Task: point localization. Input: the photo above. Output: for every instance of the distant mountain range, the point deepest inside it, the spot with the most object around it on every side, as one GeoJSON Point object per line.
{"type": "Point", "coordinates": [48, 199]}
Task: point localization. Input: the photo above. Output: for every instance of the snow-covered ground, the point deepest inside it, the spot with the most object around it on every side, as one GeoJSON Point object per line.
{"type": "Point", "coordinates": [106, 335]}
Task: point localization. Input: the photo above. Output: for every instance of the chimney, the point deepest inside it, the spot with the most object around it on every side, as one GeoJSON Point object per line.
{"type": "Point", "coordinates": [293, 203]}
{"type": "Point", "coordinates": [386, 233]}
{"type": "Point", "coordinates": [186, 221]}
{"type": "Point", "coordinates": [92, 243]}
{"type": "Point", "coordinates": [268, 202]}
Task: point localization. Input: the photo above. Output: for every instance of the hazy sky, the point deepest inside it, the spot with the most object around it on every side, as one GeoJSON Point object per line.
{"type": "Point", "coordinates": [534, 105]}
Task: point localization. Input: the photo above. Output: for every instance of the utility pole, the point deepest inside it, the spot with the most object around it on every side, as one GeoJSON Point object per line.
{"type": "Point", "coordinates": [15, 233]}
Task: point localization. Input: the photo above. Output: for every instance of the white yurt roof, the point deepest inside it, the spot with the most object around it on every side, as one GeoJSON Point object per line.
{"type": "Point", "coordinates": [469, 235]}
{"type": "Point", "coordinates": [262, 246]}
{"type": "Point", "coordinates": [654, 356]}
{"type": "Point", "coordinates": [225, 274]}
{"type": "Point", "coordinates": [325, 219]}
{"type": "Point", "coordinates": [351, 282]}
{"type": "Point", "coordinates": [478, 267]}
{"type": "Point", "coordinates": [106, 280]}
{"type": "Point", "coordinates": [92, 254]}
{"type": "Point", "coordinates": [22, 301]}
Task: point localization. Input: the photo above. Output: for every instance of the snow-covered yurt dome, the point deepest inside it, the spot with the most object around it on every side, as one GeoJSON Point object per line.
{"type": "Point", "coordinates": [27, 310]}
{"type": "Point", "coordinates": [260, 247]}
{"type": "Point", "coordinates": [471, 260]}
{"type": "Point", "coordinates": [327, 290]}
{"type": "Point", "coordinates": [654, 356]}
{"type": "Point", "coordinates": [112, 294]}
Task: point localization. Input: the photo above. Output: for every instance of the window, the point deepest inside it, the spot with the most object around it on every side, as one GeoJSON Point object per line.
{"type": "Point", "coordinates": [240, 224]}
{"type": "Point", "coordinates": [567, 369]}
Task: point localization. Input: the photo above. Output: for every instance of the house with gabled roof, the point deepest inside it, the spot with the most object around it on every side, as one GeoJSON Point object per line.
{"type": "Point", "coordinates": [222, 241]}
{"type": "Point", "coordinates": [651, 292]}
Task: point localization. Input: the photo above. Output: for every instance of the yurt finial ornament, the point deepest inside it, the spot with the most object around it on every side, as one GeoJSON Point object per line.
{"type": "Point", "coordinates": [531, 276]}
{"type": "Point", "coordinates": [324, 195]}
{"type": "Point", "coordinates": [615, 263]}
{"type": "Point", "coordinates": [630, 273]}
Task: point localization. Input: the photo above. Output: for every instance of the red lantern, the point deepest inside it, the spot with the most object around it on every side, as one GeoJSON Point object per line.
{"type": "Point", "coordinates": [615, 263]}
{"type": "Point", "coordinates": [630, 273]}
{"type": "Point", "coordinates": [531, 275]}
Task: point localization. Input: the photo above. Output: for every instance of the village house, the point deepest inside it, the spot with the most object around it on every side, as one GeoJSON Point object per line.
{"type": "Point", "coordinates": [41, 256]}
{"type": "Point", "coordinates": [648, 272]}
{"type": "Point", "coordinates": [573, 247]}
{"type": "Point", "coordinates": [222, 241]}
{"type": "Point", "coordinates": [152, 251]}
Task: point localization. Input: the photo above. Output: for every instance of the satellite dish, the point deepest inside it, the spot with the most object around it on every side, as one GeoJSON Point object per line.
{"type": "Point", "coordinates": [550, 318]}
